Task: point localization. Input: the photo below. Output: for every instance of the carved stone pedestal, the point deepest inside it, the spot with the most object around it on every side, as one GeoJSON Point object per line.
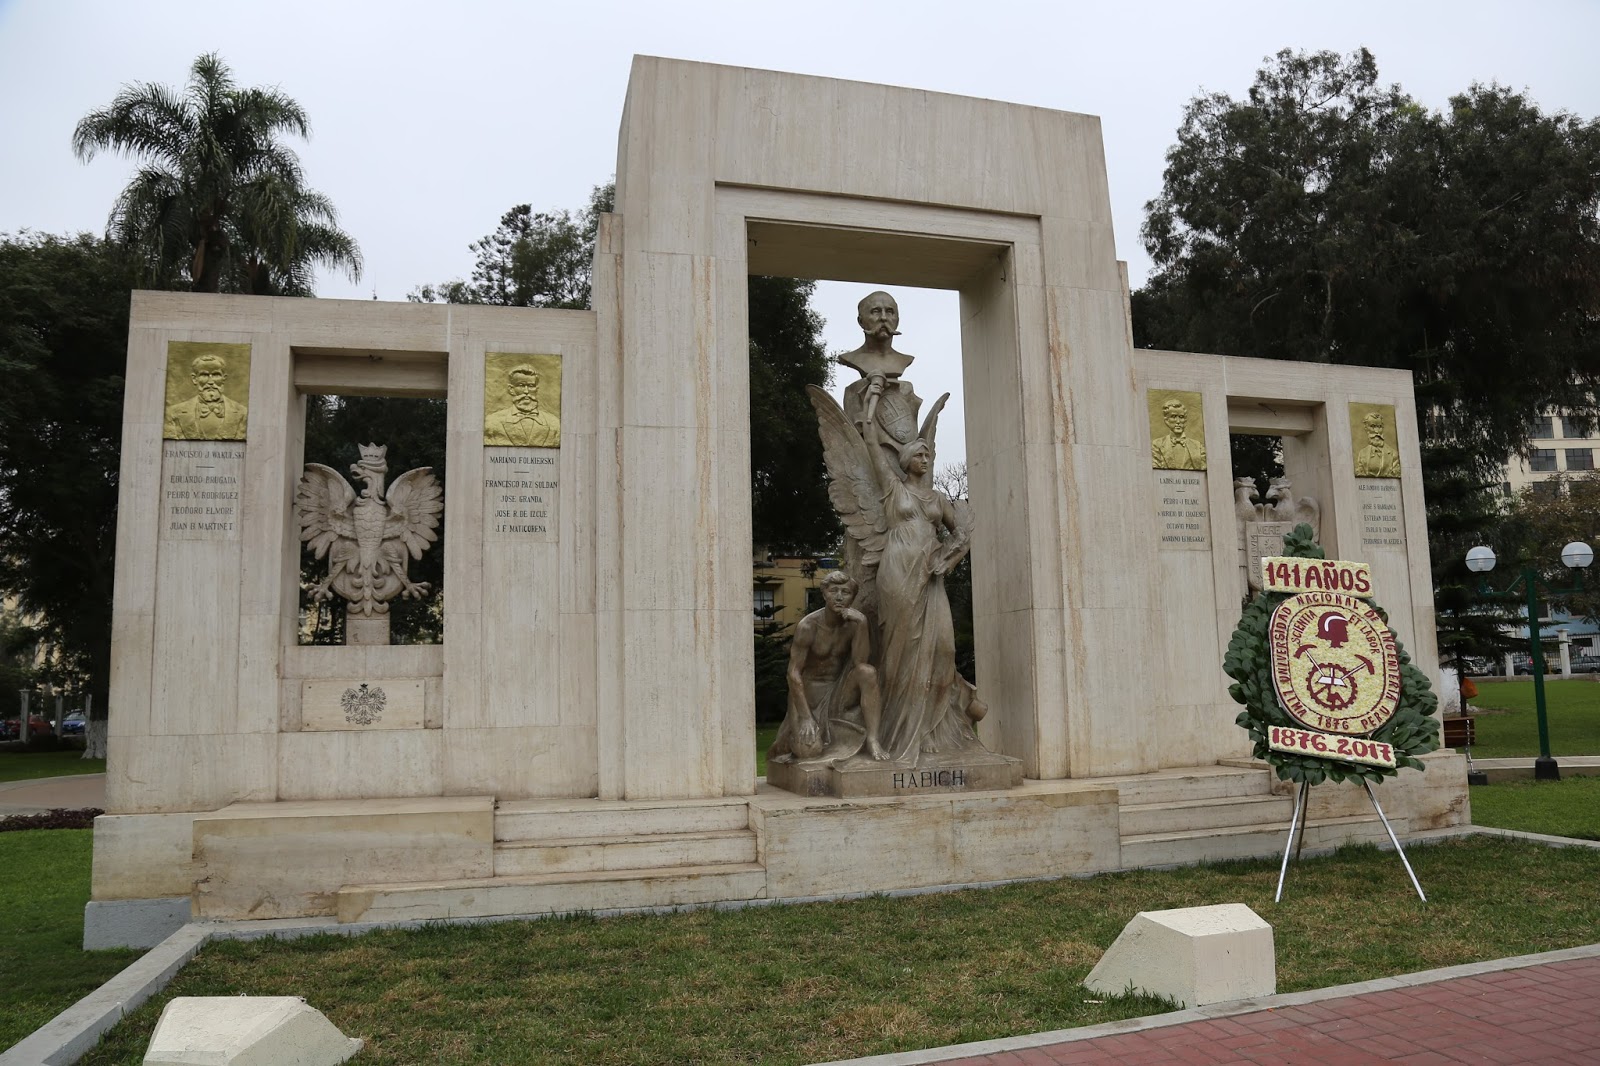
{"type": "Point", "coordinates": [978, 771]}
{"type": "Point", "coordinates": [373, 630]}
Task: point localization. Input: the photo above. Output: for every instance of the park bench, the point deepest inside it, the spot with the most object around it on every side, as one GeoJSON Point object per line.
{"type": "Point", "coordinates": [1459, 731]}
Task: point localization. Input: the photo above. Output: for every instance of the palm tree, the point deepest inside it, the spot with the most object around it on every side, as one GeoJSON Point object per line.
{"type": "Point", "coordinates": [283, 230]}
{"type": "Point", "coordinates": [217, 199]}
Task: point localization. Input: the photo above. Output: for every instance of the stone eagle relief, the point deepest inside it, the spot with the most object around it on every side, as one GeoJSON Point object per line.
{"type": "Point", "coordinates": [369, 539]}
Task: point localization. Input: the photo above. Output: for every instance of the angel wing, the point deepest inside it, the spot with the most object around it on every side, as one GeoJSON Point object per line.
{"type": "Point", "coordinates": [930, 427]}
{"type": "Point", "coordinates": [322, 506]}
{"type": "Point", "coordinates": [415, 500]}
{"type": "Point", "coordinates": [853, 488]}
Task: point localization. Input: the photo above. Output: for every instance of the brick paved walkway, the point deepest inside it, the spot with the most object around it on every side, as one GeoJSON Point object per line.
{"type": "Point", "coordinates": [1543, 1013]}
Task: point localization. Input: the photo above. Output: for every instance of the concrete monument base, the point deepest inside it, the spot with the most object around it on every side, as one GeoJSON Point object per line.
{"type": "Point", "coordinates": [457, 857]}
{"type": "Point", "coordinates": [979, 771]}
{"type": "Point", "coordinates": [133, 923]}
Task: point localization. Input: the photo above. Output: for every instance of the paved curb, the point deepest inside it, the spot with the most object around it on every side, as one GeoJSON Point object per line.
{"type": "Point", "coordinates": [30, 782]}
{"type": "Point", "coordinates": [1217, 1010]}
{"type": "Point", "coordinates": [74, 1032]}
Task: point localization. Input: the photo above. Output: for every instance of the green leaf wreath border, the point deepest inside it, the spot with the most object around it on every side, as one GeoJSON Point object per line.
{"type": "Point", "coordinates": [1413, 730]}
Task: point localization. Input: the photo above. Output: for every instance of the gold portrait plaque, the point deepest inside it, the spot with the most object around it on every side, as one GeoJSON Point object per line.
{"type": "Point", "coordinates": [1177, 430]}
{"type": "Point", "coordinates": [1375, 440]}
{"type": "Point", "coordinates": [521, 400]}
{"type": "Point", "coordinates": [208, 391]}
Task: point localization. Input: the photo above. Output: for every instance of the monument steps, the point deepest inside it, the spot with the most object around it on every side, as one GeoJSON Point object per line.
{"type": "Point", "coordinates": [546, 820]}
{"type": "Point", "coordinates": [1246, 841]}
{"type": "Point", "coordinates": [554, 893]}
{"type": "Point", "coordinates": [1187, 784]}
{"type": "Point", "coordinates": [646, 851]}
{"type": "Point", "coordinates": [1144, 819]}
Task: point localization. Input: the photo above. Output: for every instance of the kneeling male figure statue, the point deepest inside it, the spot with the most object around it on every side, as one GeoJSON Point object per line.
{"type": "Point", "coordinates": [829, 678]}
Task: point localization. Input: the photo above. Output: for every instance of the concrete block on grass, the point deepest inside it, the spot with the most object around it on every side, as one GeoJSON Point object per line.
{"type": "Point", "coordinates": [1192, 955]}
{"type": "Point", "coordinates": [132, 923]}
{"type": "Point", "coordinates": [246, 1031]}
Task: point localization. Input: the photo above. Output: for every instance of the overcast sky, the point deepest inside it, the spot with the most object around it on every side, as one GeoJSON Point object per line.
{"type": "Point", "coordinates": [429, 120]}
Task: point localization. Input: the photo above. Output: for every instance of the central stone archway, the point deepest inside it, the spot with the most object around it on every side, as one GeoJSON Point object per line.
{"type": "Point", "coordinates": [723, 172]}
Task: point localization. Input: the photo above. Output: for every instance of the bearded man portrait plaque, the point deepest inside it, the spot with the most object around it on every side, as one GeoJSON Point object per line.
{"type": "Point", "coordinates": [522, 400]}
{"type": "Point", "coordinates": [208, 391]}
{"type": "Point", "coordinates": [1372, 425]}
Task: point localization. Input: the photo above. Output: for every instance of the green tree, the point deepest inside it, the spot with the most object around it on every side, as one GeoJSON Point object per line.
{"type": "Point", "coordinates": [545, 259]}
{"type": "Point", "coordinates": [63, 347]}
{"type": "Point", "coordinates": [951, 480]}
{"type": "Point", "coordinates": [789, 504]}
{"type": "Point", "coordinates": [531, 259]}
{"type": "Point", "coordinates": [17, 645]}
{"type": "Point", "coordinates": [1464, 511]}
{"type": "Point", "coordinates": [1328, 218]}
{"type": "Point", "coordinates": [218, 202]}
{"type": "Point", "coordinates": [1544, 519]}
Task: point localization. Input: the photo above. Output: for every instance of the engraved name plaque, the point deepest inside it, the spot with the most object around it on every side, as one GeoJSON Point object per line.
{"type": "Point", "coordinates": [521, 488]}
{"type": "Point", "coordinates": [202, 483]}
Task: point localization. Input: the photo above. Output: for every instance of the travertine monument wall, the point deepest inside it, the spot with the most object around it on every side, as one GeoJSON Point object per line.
{"type": "Point", "coordinates": [1201, 584]}
{"type": "Point", "coordinates": [723, 172]}
{"type": "Point", "coordinates": [209, 682]}
{"type": "Point", "coordinates": [609, 654]}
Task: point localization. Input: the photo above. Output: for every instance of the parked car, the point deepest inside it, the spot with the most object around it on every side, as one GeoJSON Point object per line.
{"type": "Point", "coordinates": [1586, 664]}
{"type": "Point", "coordinates": [11, 728]}
{"type": "Point", "coordinates": [74, 724]}
{"type": "Point", "coordinates": [1523, 664]}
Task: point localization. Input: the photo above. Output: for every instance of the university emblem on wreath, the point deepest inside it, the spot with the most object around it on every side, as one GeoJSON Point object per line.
{"type": "Point", "coordinates": [363, 706]}
{"type": "Point", "coordinates": [1335, 663]}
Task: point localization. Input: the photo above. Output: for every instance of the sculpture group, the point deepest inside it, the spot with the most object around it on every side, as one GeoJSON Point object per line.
{"type": "Point", "coordinates": [872, 674]}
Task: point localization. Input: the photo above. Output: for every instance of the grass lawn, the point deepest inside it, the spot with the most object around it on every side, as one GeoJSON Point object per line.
{"type": "Point", "coordinates": [44, 883]}
{"type": "Point", "coordinates": [830, 980]}
{"type": "Point", "coordinates": [25, 766]}
{"type": "Point", "coordinates": [1509, 726]}
{"type": "Point", "coordinates": [765, 735]}
{"type": "Point", "coordinates": [1566, 808]}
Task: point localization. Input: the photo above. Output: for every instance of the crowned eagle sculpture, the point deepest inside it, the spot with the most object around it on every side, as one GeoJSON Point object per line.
{"type": "Point", "coordinates": [368, 538]}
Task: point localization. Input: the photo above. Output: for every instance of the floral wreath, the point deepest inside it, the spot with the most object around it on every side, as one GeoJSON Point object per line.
{"type": "Point", "coordinates": [1412, 731]}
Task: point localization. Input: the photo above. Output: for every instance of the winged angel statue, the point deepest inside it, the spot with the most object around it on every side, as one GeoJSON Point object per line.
{"type": "Point", "coordinates": [369, 539]}
{"type": "Point", "coordinates": [903, 537]}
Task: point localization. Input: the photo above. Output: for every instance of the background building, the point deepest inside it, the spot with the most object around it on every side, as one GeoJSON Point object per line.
{"type": "Point", "coordinates": [1557, 448]}
{"type": "Point", "coordinates": [787, 588]}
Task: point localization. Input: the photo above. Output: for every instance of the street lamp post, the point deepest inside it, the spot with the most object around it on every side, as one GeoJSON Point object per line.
{"type": "Point", "coordinates": [1576, 556]}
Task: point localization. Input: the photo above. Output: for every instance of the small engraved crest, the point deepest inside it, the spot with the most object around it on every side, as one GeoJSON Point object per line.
{"type": "Point", "coordinates": [364, 705]}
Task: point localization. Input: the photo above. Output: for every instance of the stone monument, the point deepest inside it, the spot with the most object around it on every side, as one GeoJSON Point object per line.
{"type": "Point", "coordinates": [583, 736]}
{"type": "Point", "coordinates": [368, 539]}
{"type": "Point", "coordinates": [903, 536]}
